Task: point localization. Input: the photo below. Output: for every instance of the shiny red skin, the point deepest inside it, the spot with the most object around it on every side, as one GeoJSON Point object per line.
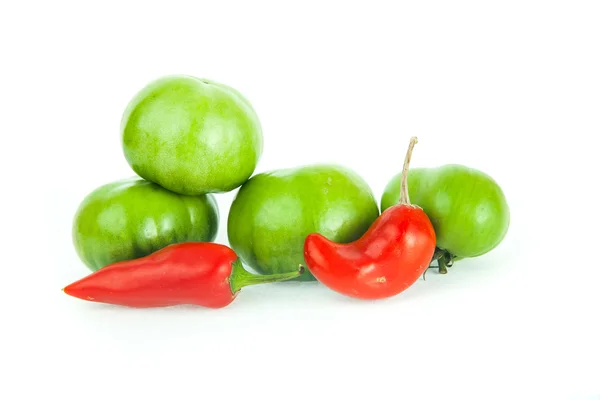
{"type": "Point", "coordinates": [184, 273]}
{"type": "Point", "coordinates": [386, 260]}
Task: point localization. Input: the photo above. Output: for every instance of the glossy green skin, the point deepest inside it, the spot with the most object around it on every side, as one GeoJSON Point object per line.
{"type": "Point", "coordinates": [132, 218]}
{"type": "Point", "coordinates": [274, 212]}
{"type": "Point", "coordinates": [191, 136]}
{"type": "Point", "coordinates": [467, 207]}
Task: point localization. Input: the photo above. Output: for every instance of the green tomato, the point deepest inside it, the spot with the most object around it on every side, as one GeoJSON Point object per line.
{"type": "Point", "coordinates": [132, 218]}
{"type": "Point", "coordinates": [467, 207]}
{"type": "Point", "coordinates": [191, 136]}
{"type": "Point", "coordinates": [273, 213]}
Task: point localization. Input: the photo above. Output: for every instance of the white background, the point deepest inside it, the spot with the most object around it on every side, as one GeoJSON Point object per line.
{"type": "Point", "coordinates": [508, 87]}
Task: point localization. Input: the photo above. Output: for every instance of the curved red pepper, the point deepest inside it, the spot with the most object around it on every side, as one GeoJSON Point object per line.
{"type": "Point", "coordinates": [204, 274]}
{"type": "Point", "coordinates": [393, 253]}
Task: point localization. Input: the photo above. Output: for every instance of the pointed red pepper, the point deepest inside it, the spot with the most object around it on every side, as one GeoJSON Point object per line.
{"type": "Point", "coordinates": [204, 274]}
{"type": "Point", "coordinates": [394, 252]}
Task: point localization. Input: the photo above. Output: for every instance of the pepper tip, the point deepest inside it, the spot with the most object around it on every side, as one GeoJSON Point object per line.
{"type": "Point", "coordinates": [68, 290]}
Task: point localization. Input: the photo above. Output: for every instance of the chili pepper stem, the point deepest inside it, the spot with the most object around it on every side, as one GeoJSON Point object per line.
{"type": "Point", "coordinates": [404, 199]}
{"type": "Point", "coordinates": [240, 277]}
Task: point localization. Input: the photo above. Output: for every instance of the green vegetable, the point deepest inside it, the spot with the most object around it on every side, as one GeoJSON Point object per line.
{"type": "Point", "coordinates": [132, 218]}
{"type": "Point", "coordinates": [191, 136]}
{"type": "Point", "coordinates": [467, 207]}
{"type": "Point", "coordinates": [273, 213]}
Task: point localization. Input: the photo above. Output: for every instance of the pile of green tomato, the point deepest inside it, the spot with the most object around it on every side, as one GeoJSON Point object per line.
{"type": "Point", "coordinates": [189, 139]}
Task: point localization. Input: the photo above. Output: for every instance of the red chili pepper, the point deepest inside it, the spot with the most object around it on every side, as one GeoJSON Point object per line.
{"type": "Point", "coordinates": [203, 274]}
{"type": "Point", "coordinates": [394, 252]}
